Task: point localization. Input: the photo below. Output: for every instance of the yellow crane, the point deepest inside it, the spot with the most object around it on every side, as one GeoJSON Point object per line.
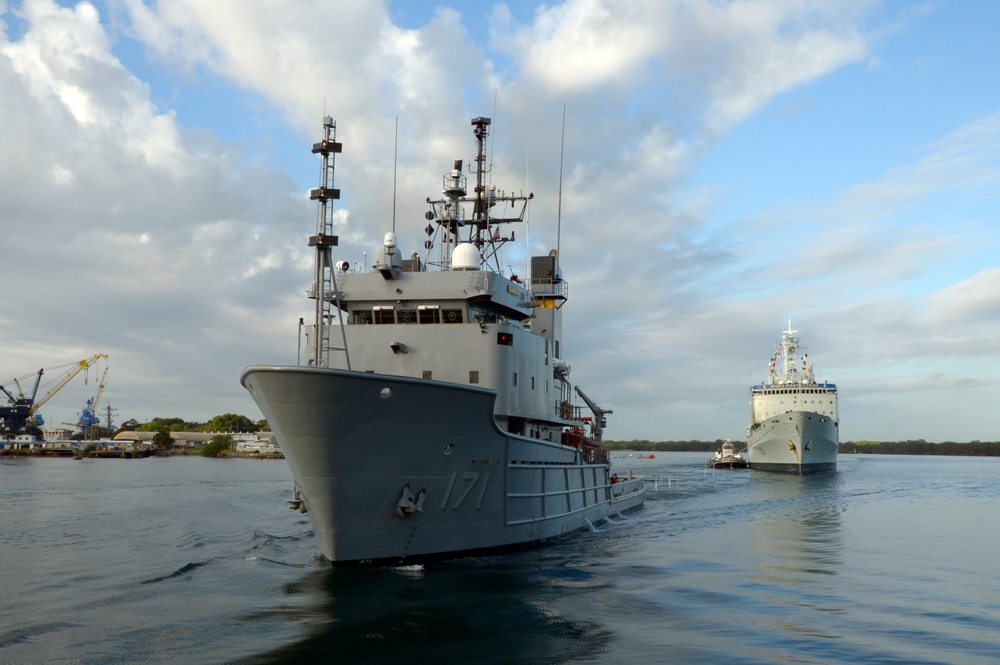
{"type": "Point", "coordinates": [100, 390]}
{"type": "Point", "coordinates": [66, 378]}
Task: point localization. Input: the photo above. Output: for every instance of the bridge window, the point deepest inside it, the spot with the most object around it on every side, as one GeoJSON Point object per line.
{"type": "Point", "coordinates": [429, 314]}
{"type": "Point", "coordinates": [383, 315]}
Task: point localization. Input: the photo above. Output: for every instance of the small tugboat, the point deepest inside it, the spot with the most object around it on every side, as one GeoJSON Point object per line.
{"type": "Point", "coordinates": [728, 458]}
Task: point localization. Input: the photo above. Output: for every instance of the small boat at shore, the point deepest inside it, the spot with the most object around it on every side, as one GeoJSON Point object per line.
{"type": "Point", "coordinates": [728, 458]}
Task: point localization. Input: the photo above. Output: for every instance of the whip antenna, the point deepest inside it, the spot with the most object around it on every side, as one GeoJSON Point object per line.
{"type": "Point", "coordinates": [562, 145]}
{"type": "Point", "coordinates": [395, 153]}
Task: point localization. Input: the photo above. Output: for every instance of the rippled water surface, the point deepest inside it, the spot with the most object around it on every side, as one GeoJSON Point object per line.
{"type": "Point", "coordinates": [193, 560]}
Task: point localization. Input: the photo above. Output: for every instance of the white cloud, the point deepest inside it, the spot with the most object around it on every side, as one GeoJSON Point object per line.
{"type": "Point", "coordinates": [184, 255]}
{"type": "Point", "coordinates": [769, 48]}
{"type": "Point", "coordinates": [127, 234]}
{"type": "Point", "coordinates": [65, 61]}
{"type": "Point", "coordinates": [583, 44]}
{"type": "Point", "coordinates": [972, 303]}
{"type": "Point", "coordinates": [728, 59]}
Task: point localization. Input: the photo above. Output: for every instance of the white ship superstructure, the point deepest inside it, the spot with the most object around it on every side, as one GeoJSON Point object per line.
{"type": "Point", "coordinates": [794, 424]}
{"type": "Point", "coordinates": [434, 416]}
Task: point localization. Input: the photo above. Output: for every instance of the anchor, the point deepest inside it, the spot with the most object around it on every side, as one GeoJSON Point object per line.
{"type": "Point", "coordinates": [407, 505]}
{"type": "Point", "coordinates": [296, 502]}
{"type": "Point", "coordinates": [791, 446]}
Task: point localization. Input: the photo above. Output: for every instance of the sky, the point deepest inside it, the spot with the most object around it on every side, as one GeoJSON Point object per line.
{"type": "Point", "coordinates": [727, 166]}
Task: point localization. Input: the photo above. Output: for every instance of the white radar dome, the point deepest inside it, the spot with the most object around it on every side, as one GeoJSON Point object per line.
{"type": "Point", "coordinates": [465, 257]}
{"type": "Point", "coordinates": [389, 240]}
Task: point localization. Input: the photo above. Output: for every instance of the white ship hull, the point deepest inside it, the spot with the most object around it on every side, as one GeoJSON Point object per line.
{"type": "Point", "coordinates": [394, 470]}
{"type": "Point", "coordinates": [797, 442]}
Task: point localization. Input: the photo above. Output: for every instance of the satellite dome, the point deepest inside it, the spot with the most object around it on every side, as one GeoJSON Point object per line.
{"type": "Point", "coordinates": [465, 257]}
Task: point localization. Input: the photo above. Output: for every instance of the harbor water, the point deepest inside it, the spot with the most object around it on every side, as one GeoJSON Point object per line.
{"type": "Point", "coordinates": [891, 559]}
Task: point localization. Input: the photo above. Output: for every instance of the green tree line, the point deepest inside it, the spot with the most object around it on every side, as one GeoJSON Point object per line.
{"type": "Point", "coordinates": [910, 447]}
{"type": "Point", "coordinates": [665, 446]}
{"type": "Point", "coordinates": [921, 447]}
{"type": "Point", "coordinates": [227, 422]}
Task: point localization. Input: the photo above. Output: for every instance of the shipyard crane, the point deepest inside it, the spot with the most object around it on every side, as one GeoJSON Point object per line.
{"type": "Point", "coordinates": [100, 391]}
{"type": "Point", "coordinates": [89, 417]}
{"type": "Point", "coordinates": [600, 422]}
{"type": "Point", "coordinates": [20, 393]}
{"type": "Point", "coordinates": [21, 411]}
{"type": "Point", "coordinates": [34, 392]}
{"type": "Point", "coordinates": [14, 416]}
{"type": "Point", "coordinates": [76, 369]}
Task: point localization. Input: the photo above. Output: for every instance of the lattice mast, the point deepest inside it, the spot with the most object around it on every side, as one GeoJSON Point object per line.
{"type": "Point", "coordinates": [484, 229]}
{"type": "Point", "coordinates": [325, 278]}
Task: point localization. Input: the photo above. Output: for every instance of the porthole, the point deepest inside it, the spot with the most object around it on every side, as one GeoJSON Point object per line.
{"type": "Point", "coordinates": [385, 393]}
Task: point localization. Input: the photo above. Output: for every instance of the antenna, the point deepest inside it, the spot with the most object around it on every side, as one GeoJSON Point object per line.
{"type": "Point", "coordinates": [562, 145]}
{"type": "Point", "coordinates": [527, 224]}
{"type": "Point", "coordinates": [493, 139]}
{"type": "Point", "coordinates": [395, 152]}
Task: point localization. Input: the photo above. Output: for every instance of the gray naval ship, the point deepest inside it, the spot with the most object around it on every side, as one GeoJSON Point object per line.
{"type": "Point", "coordinates": [433, 417]}
{"type": "Point", "coordinates": [794, 426]}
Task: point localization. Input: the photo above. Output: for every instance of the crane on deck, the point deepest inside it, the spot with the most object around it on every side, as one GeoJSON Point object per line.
{"type": "Point", "coordinates": [600, 422]}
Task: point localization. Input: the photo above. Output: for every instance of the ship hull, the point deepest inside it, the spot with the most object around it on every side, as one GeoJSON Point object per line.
{"type": "Point", "coordinates": [797, 442]}
{"type": "Point", "coordinates": [395, 470]}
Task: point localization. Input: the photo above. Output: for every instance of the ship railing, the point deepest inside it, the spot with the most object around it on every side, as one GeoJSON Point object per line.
{"type": "Point", "coordinates": [792, 386]}
{"type": "Point", "coordinates": [566, 410]}
{"type": "Point", "coordinates": [449, 211]}
{"type": "Point", "coordinates": [547, 287]}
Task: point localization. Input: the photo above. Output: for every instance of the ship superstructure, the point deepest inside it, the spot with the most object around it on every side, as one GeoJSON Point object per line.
{"type": "Point", "coordinates": [794, 422]}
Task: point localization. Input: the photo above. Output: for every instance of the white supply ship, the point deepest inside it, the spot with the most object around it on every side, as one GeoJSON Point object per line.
{"type": "Point", "coordinates": [433, 416]}
{"type": "Point", "coordinates": [794, 426]}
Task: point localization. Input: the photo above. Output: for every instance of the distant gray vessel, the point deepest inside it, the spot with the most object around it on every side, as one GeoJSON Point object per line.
{"type": "Point", "coordinates": [437, 420]}
{"type": "Point", "coordinates": [794, 426]}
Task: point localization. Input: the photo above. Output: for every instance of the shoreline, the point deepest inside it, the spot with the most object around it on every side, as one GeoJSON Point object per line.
{"type": "Point", "coordinates": [68, 453]}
